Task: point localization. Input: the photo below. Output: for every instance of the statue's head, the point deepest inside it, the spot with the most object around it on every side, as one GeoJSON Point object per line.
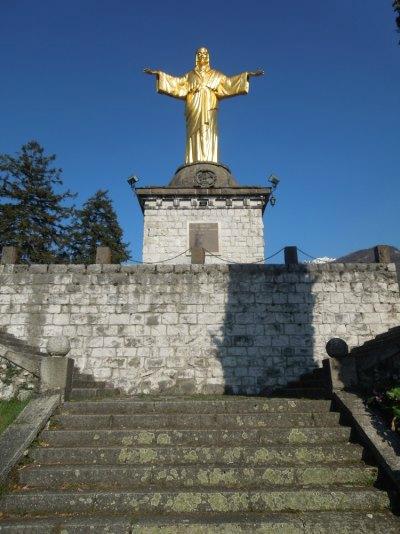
{"type": "Point", "coordinates": [202, 57]}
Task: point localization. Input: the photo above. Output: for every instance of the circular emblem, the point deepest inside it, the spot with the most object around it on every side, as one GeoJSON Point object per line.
{"type": "Point", "coordinates": [205, 178]}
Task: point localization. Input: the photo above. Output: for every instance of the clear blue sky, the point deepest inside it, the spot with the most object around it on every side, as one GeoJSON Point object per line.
{"type": "Point", "coordinates": [325, 118]}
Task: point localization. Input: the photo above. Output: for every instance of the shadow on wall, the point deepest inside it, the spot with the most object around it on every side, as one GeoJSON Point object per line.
{"type": "Point", "coordinates": [267, 337]}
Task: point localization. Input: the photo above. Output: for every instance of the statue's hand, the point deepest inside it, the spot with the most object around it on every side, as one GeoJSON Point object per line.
{"type": "Point", "coordinates": [150, 71]}
{"type": "Point", "coordinates": [258, 72]}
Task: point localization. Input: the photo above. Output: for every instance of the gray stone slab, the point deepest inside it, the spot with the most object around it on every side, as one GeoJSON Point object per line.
{"type": "Point", "coordinates": [196, 421]}
{"type": "Point", "coordinates": [198, 406]}
{"type": "Point", "coordinates": [237, 455]}
{"type": "Point", "coordinates": [19, 435]}
{"type": "Point", "coordinates": [207, 476]}
{"type": "Point", "coordinates": [265, 501]}
{"type": "Point", "coordinates": [84, 438]}
{"type": "Point", "coordinates": [307, 523]}
{"type": "Point", "coordinates": [83, 525]}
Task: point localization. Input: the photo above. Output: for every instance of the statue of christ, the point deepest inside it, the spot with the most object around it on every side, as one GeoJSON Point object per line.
{"type": "Point", "coordinates": [202, 88]}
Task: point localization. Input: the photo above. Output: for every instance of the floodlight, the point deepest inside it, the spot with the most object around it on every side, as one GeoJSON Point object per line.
{"type": "Point", "coordinates": [132, 181]}
{"type": "Point", "coordinates": [274, 181]}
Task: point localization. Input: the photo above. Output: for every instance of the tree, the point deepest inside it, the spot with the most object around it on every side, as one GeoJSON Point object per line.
{"type": "Point", "coordinates": [396, 6]}
{"type": "Point", "coordinates": [96, 225]}
{"type": "Point", "coordinates": [32, 215]}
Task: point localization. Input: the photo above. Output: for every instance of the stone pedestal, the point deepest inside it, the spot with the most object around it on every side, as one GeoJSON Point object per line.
{"type": "Point", "coordinates": [291, 257]}
{"type": "Point", "coordinates": [203, 207]}
{"type": "Point", "coordinates": [10, 255]}
{"type": "Point", "coordinates": [382, 254]}
{"type": "Point", "coordinates": [56, 369]}
{"type": "Point", "coordinates": [103, 255]}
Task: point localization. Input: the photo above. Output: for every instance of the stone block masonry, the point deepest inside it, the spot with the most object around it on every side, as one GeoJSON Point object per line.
{"type": "Point", "coordinates": [240, 231]}
{"type": "Point", "coordinates": [198, 328]}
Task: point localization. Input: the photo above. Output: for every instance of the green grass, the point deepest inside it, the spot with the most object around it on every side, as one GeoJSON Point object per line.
{"type": "Point", "coordinates": [9, 411]}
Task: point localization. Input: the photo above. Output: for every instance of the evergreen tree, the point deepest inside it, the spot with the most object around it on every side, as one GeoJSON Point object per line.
{"type": "Point", "coordinates": [97, 225]}
{"type": "Point", "coordinates": [32, 215]}
{"type": "Point", "coordinates": [396, 6]}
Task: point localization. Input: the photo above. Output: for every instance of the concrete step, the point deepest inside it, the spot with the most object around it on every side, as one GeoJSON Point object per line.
{"type": "Point", "coordinates": [318, 372]}
{"type": "Point", "coordinates": [71, 525]}
{"type": "Point", "coordinates": [304, 392]}
{"type": "Point", "coordinates": [77, 375]}
{"type": "Point", "coordinates": [197, 406]}
{"type": "Point", "coordinates": [308, 382]}
{"type": "Point", "coordinates": [196, 421]}
{"type": "Point", "coordinates": [94, 392]}
{"type": "Point", "coordinates": [265, 436]}
{"type": "Point", "coordinates": [133, 477]}
{"type": "Point", "coordinates": [276, 523]}
{"type": "Point", "coordinates": [79, 383]}
{"type": "Point", "coordinates": [180, 455]}
{"type": "Point", "coordinates": [293, 499]}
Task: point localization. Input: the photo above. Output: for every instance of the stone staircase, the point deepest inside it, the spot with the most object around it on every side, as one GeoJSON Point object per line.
{"type": "Point", "coordinates": [84, 386]}
{"type": "Point", "coordinates": [312, 385]}
{"type": "Point", "coordinates": [197, 465]}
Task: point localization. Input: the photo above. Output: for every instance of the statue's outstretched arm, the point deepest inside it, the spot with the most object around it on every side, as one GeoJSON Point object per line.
{"type": "Point", "coordinates": [258, 72]}
{"type": "Point", "coordinates": [174, 86]}
{"type": "Point", "coordinates": [151, 71]}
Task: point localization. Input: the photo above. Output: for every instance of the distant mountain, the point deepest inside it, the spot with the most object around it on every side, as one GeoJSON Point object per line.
{"type": "Point", "coordinates": [324, 259]}
{"type": "Point", "coordinates": [367, 256]}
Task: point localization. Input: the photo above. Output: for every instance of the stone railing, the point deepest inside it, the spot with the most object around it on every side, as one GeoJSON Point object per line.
{"type": "Point", "coordinates": [53, 368]}
{"type": "Point", "coordinates": [20, 353]}
{"type": "Point", "coordinates": [360, 369]}
{"type": "Point", "coordinates": [353, 373]}
{"type": "Point", "coordinates": [378, 360]}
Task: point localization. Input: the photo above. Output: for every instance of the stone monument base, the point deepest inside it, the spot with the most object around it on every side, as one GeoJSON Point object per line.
{"type": "Point", "coordinates": [203, 175]}
{"type": "Point", "coordinates": [203, 206]}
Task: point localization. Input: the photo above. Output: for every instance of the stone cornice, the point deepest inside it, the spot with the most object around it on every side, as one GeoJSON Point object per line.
{"type": "Point", "coordinates": [254, 192]}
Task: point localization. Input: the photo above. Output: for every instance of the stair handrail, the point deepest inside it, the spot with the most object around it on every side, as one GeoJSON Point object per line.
{"type": "Point", "coordinates": [345, 367]}
{"type": "Point", "coordinates": [20, 353]}
{"type": "Point", "coordinates": [53, 368]}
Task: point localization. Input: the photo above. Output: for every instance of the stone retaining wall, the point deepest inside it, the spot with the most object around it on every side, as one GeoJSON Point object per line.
{"type": "Point", "coordinates": [238, 328]}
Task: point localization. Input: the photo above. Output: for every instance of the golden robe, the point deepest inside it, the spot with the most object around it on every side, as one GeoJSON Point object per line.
{"type": "Point", "coordinates": [202, 89]}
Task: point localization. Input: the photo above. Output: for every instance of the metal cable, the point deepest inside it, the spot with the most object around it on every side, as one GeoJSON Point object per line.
{"type": "Point", "coordinates": [224, 259]}
{"type": "Point", "coordinates": [272, 256]}
{"type": "Point", "coordinates": [220, 257]}
{"type": "Point", "coordinates": [247, 263]}
{"type": "Point", "coordinates": [161, 261]}
{"type": "Point", "coordinates": [305, 254]}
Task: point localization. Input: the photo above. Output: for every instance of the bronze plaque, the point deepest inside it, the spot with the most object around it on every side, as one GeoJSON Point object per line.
{"type": "Point", "coordinates": [204, 235]}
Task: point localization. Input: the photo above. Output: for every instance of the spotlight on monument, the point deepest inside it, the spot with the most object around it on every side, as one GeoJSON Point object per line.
{"type": "Point", "coordinates": [272, 201]}
{"type": "Point", "coordinates": [274, 180]}
{"type": "Point", "coordinates": [132, 181]}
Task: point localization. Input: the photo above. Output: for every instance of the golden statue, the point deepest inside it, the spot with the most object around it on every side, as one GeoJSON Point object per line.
{"type": "Point", "coordinates": [202, 88]}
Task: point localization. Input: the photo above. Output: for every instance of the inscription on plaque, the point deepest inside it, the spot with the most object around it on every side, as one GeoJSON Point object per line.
{"type": "Point", "coordinates": [204, 235]}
